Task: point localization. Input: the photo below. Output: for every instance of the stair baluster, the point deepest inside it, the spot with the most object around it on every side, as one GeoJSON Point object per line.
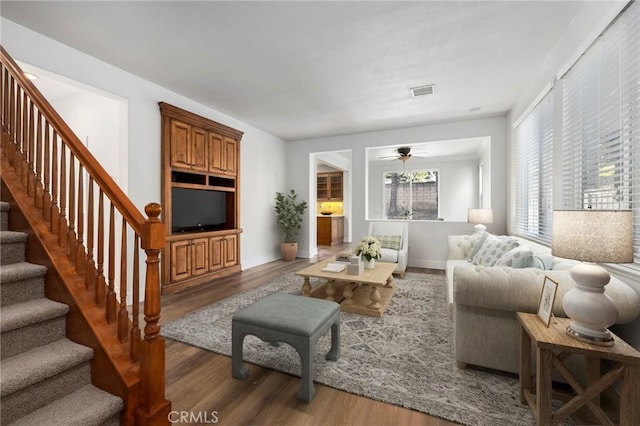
{"type": "Point", "coordinates": [123, 315]}
{"type": "Point", "coordinates": [62, 223]}
{"type": "Point", "coordinates": [100, 281]}
{"type": "Point", "coordinates": [80, 254]}
{"type": "Point", "coordinates": [72, 242]}
{"type": "Point", "coordinates": [54, 221]}
{"type": "Point", "coordinates": [37, 187]}
{"type": "Point", "coordinates": [46, 196]}
{"type": "Point", "coordinates": [90, 273]}
{"type": "Point", "coordinates": [111, 293]}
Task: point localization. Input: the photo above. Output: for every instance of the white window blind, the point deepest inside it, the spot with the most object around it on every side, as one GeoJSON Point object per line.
{"type": "Point", "coordinates": [534, 172]}
{"type": "Point", "coordinates": [601, 123]}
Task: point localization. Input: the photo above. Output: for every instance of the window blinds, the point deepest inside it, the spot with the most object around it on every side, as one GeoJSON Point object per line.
{"type": "Point", "coordinates": [534, 172]}
{"type": "Point", "coordinates": [601, 123]}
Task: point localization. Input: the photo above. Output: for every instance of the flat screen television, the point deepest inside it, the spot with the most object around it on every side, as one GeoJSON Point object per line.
{"type": "Point", "coordinates": [196, 210]}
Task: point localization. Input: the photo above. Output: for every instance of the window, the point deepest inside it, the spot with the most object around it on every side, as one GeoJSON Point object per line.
{"type": "Point", "coordinates": [534, 172]}
{"type": "Point", "coordinates": [601, 123]}
{"type": "Point", "coordinates": [411, 195]}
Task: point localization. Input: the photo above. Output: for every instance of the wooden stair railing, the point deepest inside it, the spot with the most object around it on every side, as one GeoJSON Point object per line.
{"type": "Point", "coordinates": [84, 209]}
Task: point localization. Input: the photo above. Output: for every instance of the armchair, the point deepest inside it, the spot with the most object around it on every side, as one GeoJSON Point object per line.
{"type": "Point", "coordinates": [399, 256]}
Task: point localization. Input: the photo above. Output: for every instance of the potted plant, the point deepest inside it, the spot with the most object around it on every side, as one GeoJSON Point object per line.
{"type": "Point", "coordinates": [289, 213]}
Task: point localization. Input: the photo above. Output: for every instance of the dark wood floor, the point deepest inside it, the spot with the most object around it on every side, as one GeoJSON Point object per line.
{"type": "Point", "coordinates": [200, 386]}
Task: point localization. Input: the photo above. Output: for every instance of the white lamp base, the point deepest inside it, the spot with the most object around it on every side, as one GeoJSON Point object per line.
{"type": "Point", "coordinates": [479, 228]}
{"type": "Point", "coordinates": [590, 310]}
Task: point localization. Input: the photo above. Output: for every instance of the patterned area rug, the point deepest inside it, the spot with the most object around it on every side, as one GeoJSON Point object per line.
{"type": "Point", "coordinates": [404, 358]}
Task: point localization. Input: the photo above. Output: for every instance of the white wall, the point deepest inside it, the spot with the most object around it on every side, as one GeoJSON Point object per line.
{"type": "Point", "coordinates": [263, 156]}
{"type": "Point", "coordinates": [458, 188]}
{"type": "Point", "coordinates": [427, 240]}
{"type": "Point", "coordinates": [95, 119]}
{"type": "Point", "coordinates": [591, 20]}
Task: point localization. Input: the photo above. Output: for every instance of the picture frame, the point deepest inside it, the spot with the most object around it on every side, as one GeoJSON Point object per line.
{"type": "Point", "coordinates": [547, 298]}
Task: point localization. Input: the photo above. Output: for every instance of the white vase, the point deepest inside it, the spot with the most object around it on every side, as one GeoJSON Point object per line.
{"type": "Point", "coordinates": [369, 264]}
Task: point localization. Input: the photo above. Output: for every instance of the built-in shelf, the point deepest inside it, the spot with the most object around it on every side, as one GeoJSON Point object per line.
{"type": "Point", "coordinates": [201, 200]}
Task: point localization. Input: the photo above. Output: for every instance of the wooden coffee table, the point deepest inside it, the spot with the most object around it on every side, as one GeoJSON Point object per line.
{"type": "Point", "coordinates": [367, 294]}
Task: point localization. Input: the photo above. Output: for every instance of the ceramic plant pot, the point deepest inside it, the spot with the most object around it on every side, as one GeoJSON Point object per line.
{"type": "Point", "coordinates": [289, 251]}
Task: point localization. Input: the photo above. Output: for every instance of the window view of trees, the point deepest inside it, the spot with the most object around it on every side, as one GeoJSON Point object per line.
{"type": "Point", "coordinates": [411, 195]}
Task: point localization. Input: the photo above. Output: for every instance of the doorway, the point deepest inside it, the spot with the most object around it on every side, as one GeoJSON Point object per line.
{"type": "Point", "coordinates": [330, 199]}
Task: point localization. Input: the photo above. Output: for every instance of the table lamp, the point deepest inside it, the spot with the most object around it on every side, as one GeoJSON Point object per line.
{"type": "Point", "coordinates": [604, 236]}
{"type": "Point", "coordinates": [479, 217]}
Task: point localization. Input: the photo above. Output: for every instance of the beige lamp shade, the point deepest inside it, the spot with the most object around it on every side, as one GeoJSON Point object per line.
{"type": "Point", "coordinates": [480, 216]}
{"type": "Point", "coordinates": [600, 236]}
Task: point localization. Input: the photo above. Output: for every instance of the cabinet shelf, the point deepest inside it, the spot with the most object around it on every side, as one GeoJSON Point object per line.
{"type": "Point", "coordinates": [188, 178]}
{"type": "Point", "coordinates": [329, 186]}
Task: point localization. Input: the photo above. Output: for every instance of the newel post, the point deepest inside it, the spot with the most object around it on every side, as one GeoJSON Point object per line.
{"type": "Point", "coordinates": [153, 408]}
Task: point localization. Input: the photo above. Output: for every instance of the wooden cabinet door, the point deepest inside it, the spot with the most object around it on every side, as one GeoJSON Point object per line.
{"type": "Point", "coordinates": [324, 231]}
{"type": "Point", "coordinates": [216, 261]}
{"type": "Point", "coordinates": [180, 144]}
{"type": "Point", "coordinates": [334, 231]}
{"type": "Point", "coordinates": [230, 250]}
{"type": "Point", "coordinates": [340, 227]}
{"type": "Point", "coordinates": [180, 260]}
{"type": "Point", "coordinates": [230, 154]}
{"type": "Point", "coordinates": [335, 186]}
{"type": "Point", "coordinates": [199, 256]}
{"type": "Point", "coordinates": [216, 147]}
{"type": "Point", "coordinates": [322, 186]}
{"type": "Point", "coordinates": [199, 144]}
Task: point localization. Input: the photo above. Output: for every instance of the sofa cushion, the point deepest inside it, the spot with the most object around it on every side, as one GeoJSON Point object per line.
{"type": "Point", "coordinates": [451, 265]}
{"type": "Point", "coordinates": [561, 264]}
{"type": "Point", "coordinates": [518, 290]}
{"type": "Point", "coordinates": [543, 261]}
{"type": "Point", "coordinates": [393, 242]}
{"type": "Point", "coordinates": [478, 244]}
{"type": "Point", "coordinates": [389, 255]}
{"type": "Point", "coordinates": [492, 249]}
{"type": "Point", "coordinates": [519, 257]}
{"type": "Point", "coordinates": [460, 246]}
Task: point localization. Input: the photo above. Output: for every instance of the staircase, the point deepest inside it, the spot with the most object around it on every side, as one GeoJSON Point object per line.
{"type": "Point", "coordinates": [102, 257]}
{"type": "Point", "coordinates": [45, 378]}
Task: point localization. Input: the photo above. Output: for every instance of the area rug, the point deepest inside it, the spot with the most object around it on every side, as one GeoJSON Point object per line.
{"type": "Point", "coordinates": [403, 358]}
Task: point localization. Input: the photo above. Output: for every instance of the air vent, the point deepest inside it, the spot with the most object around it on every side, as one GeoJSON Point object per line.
{"type": "Point", "coordinates": [429, 89]}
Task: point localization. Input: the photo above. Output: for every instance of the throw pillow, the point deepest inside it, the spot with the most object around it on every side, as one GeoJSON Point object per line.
{"type": "Point", "coordinates": [492, 249]}
{"type": "Point", "coordinates": [517, 257]}
{"type": "Point", "coordinates": [478, 244]}
{"type": "Point", "coordinates": [389, 241]}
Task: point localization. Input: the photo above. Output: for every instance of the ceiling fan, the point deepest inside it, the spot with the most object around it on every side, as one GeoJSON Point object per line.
{"type": "Point", "coordinates": [404, 154]}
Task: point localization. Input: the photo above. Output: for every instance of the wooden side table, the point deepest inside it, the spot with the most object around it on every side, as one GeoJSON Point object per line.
{"type": "Point", "coordinates": [552, 347]}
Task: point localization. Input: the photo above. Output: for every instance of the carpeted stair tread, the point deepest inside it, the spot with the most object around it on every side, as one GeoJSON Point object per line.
{"type": "Point", "coordinates": [86, 406]}
{"type": "Point", "coordinates": [8, 237]}
{"type": "Point", "coordinates": [12, 247]}
{"type": "Point", "coordinates": [4, 215]}
{"type": "Point", "coordinates": [21, 271]}
{"type": "Point", "coordinates": [35, 365]}
{"type": "Point", "coordinates": [31, 312]}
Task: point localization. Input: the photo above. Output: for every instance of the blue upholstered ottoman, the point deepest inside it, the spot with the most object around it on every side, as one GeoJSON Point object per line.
{"type": "Point", "coordinates": [296, 320]}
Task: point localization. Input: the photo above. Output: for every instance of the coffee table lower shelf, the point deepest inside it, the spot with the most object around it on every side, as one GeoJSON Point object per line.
{"type": "Point", "coordinates": [371, 300]}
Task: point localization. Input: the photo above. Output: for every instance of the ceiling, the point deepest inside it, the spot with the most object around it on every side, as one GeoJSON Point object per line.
{"type": "Point", "coordinates": [312, 69]}
{"type": "Point", "coordinates": [435, 150]}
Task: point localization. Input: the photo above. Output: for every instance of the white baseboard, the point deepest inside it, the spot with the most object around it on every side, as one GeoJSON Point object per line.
{"type": "Point", "coordinates": [430, 264]}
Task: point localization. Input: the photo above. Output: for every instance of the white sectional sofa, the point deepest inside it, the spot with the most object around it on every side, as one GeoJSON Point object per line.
{"type": "Point", "coordinates": [483, 301]}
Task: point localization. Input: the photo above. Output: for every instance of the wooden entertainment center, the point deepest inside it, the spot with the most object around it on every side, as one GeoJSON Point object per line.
{"type": "Point", "coordinates": [200, 198]}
